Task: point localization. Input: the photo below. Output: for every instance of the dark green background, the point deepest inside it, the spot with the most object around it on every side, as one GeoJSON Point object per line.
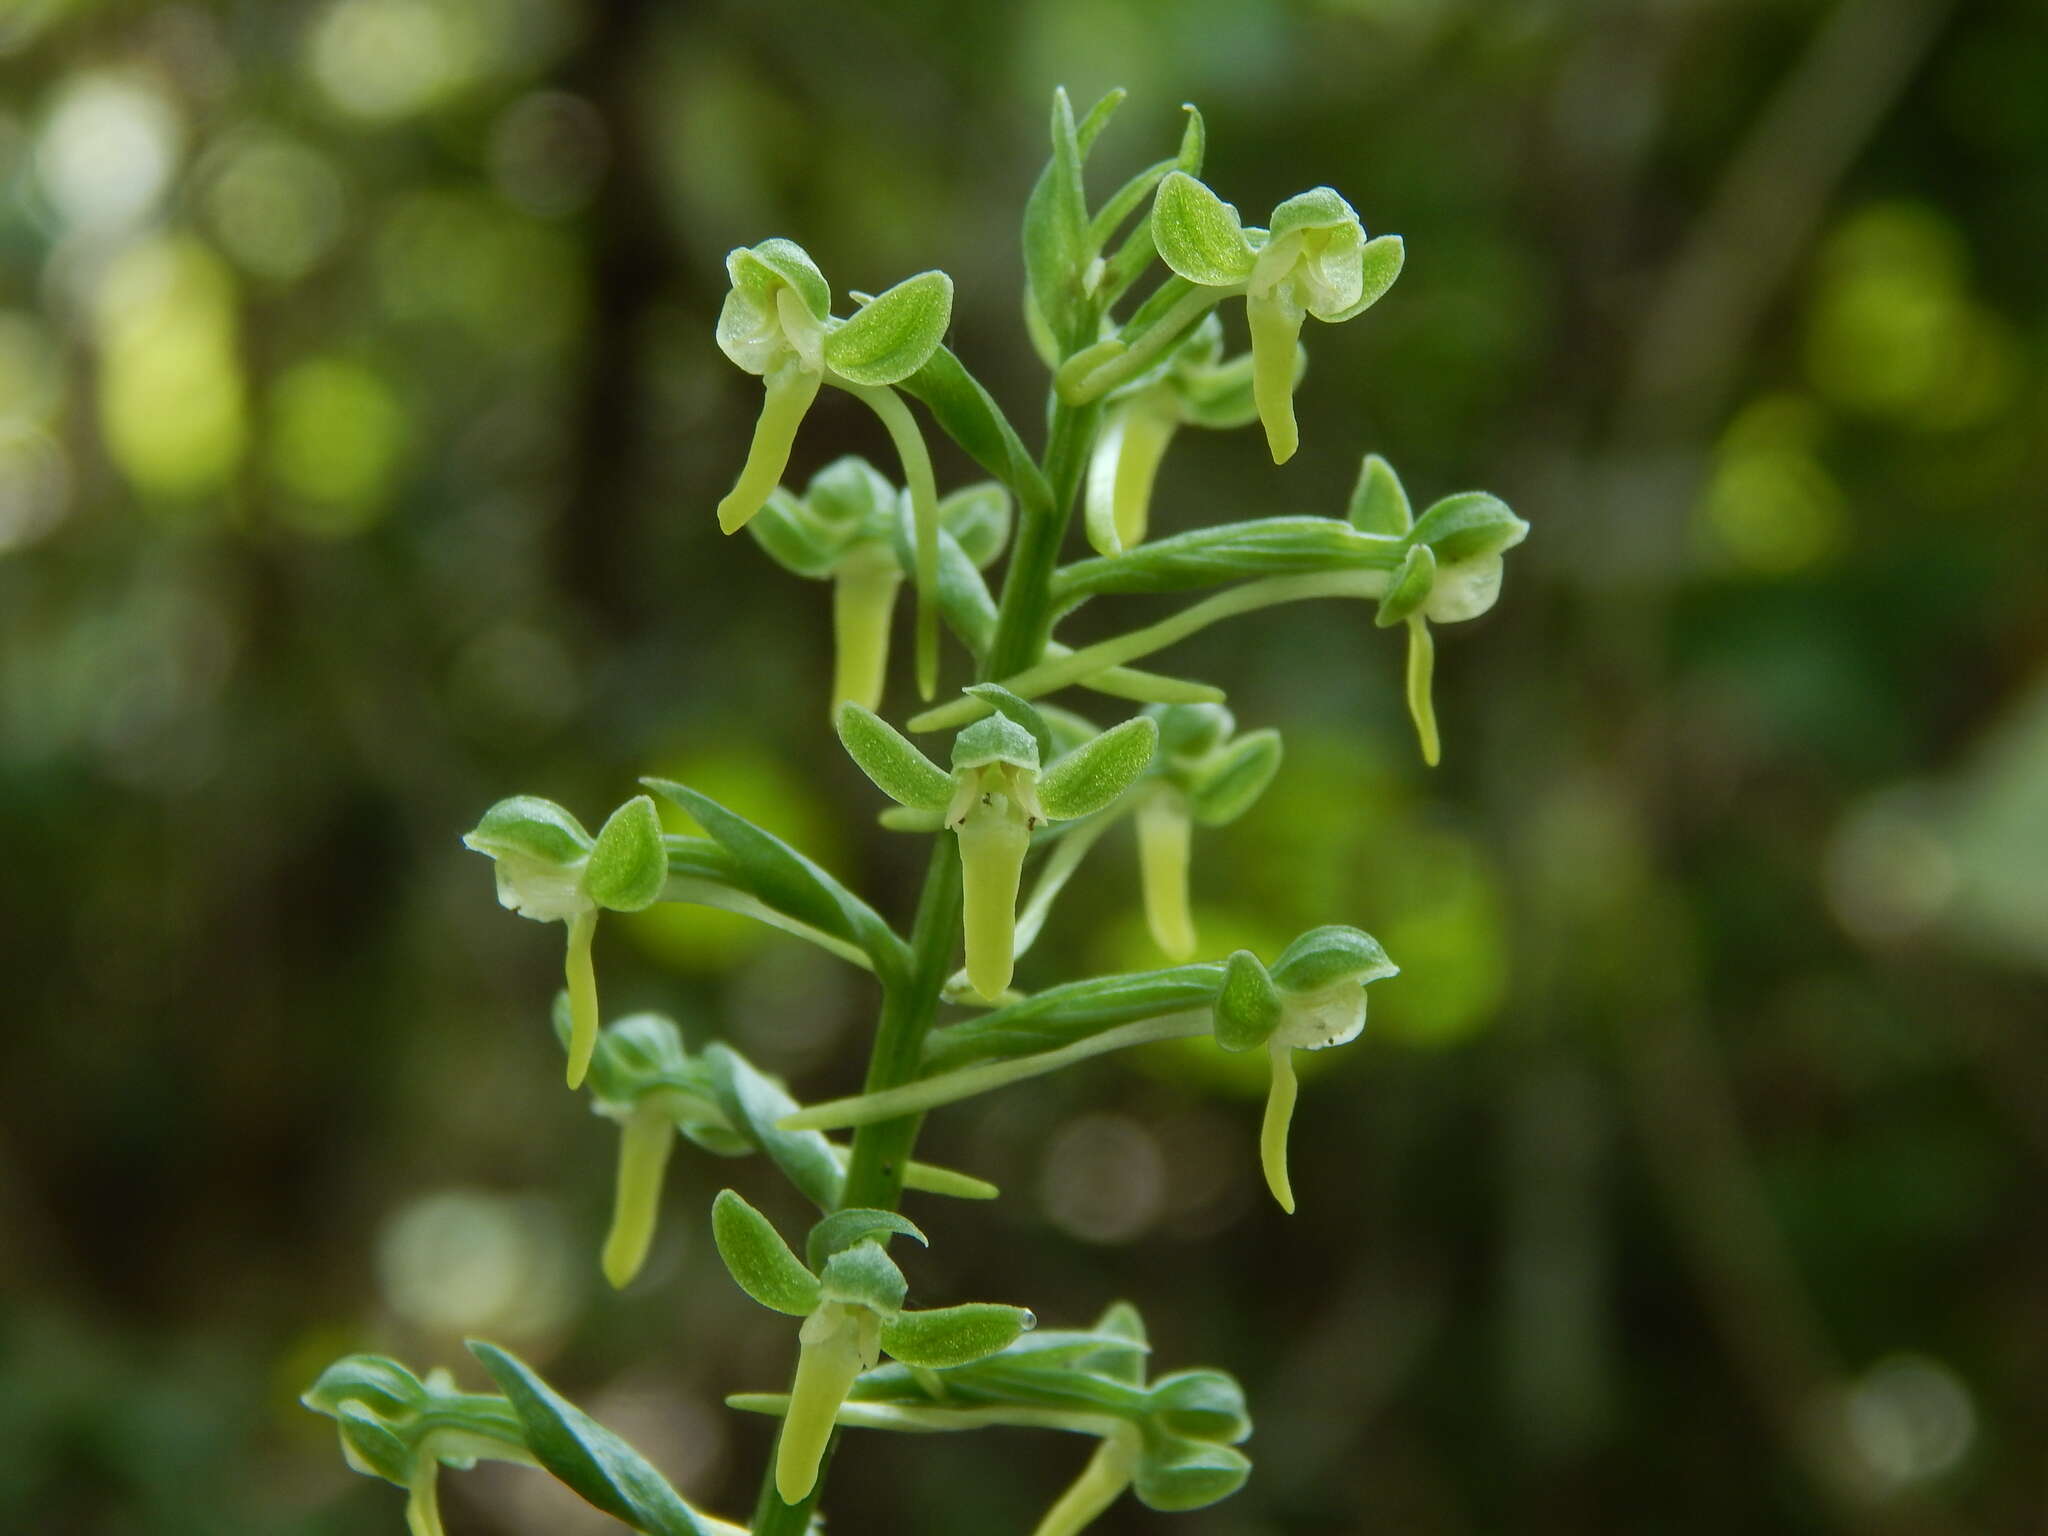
{"type": "Point", "coordinates": [360, 426]}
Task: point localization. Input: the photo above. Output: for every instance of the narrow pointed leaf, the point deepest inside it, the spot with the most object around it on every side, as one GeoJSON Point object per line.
{"type": "Point", "coordinates": [759, 1261]}
{"type": "Point", "coordinates": [588, 1458]}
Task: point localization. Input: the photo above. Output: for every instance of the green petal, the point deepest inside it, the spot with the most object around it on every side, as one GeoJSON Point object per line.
{"type": "Point", "coordinates": [1096, 772]}
{"type": "Point", "coordinates": [894, 764]}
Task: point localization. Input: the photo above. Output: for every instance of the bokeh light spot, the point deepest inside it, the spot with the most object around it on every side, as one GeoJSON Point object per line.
{"type": "Point", "coordinates": [466, 1261]}
{"type": "Point", "coordinates": [336, 432]}
{"type": "Point", "coordinates": [107, 152]}
{"type": "Point", "coordinates": [1911, 1419]}
{"type": "Point", "coordinates": [388, 59]}
{"type": "Point", "coordinates": [275, 204]}
{"type": "Point", "coordinates": [1104, 1179]}
{"type": "Point", "coordinates": [1770, 505]}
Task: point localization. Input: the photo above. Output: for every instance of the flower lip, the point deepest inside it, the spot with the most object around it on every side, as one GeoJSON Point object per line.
{"type": "Point", "coordinates": [1335, 1015]}
{"type": "Point", "coordinates": [547, 893]}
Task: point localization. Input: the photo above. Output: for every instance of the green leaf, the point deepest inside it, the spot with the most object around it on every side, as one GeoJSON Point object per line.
{"type": "Point", "coordinates": [784, 878]}
{"type": "Point", "coordinates": [1378, 503]}
{"type": "Point", "coordinates": [950, 1336]}
{"type": "Point", "coordinates": [1380, 263]}
{"type": "Point", "coordinates": [1202, 1405]}
{"type": "Point", "coordinates": [758, 1260]}
{"type": "Point", "coordinates": [865, 1276]}
{"type": "Point", "coordinates": [894, 764]}
{"type": "Point", "coordinates": [1096, 119]}
{"type": "Point", "coordinates": [1325, 956]}
{"type": "Point", "coordinates": [891, 338]}
{"type": "Point", "coordinates": [1199, 235]}
{"type": "Point", "coordinates": [1062, 1015]}
{"type": "Point", "coordinates": [629, 864]}
{"type": "Point", "coordinates": [1056, 230]}
{"type": "Point", "coordinates": [1095, 773]}
{"type": "Point", "coordinates": [526, 826]}
{"type": "Point", "coordinates": [843, 1229]}
{"type": "Point", "coordinates": [586, 1457]}
{"type": "Point", "coordinates": [969, 415]}
{"type": "Point", "coordinates": [1023, 712]}
{"type": "Point", "coordinates": [1248, 1005]}
{"type": "Point", "coordinates": [1410, 588]}
{"type": "Point", "coordinates": [1179, 1474]}
{"type": "Point", "coordinates": [978, 516]}
{"type": "Point", "coordinates": [1228, 784]}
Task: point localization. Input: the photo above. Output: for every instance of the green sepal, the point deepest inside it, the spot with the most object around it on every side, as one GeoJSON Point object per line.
{"type": "Point", "coordinates": [1319, 208]}
{"type": "Point", "coordinates": [1379, 504]}
{"type": "Point", "coordinates": [895, 334]}
{"type": "Point", "coordinates": [1409, 589]}
{"type": "Point", "coordinates": [759, 1261]}
{"type": "Point", "coordinates": [1095, 773]}
{"type": "Point", "coordinates": [1468, 526]}
{"type": "Point", "coordinates": [761, 267]}
{"type": "Point", "coordinates": [784, 878]}
{"type": "Point", "coordinates": [1248, 1005]}
{"type": "Point", "coordinates": [1199, 235]}
{"type": "Point", "coordinates": [978, 518]}
{"type": "Point", "coordinates": [995, 739]}
{"type": "Point", "coordinates": [1229, 782]}
{"type": "Point", "coordinates": [1325, 956]}
{"type": "Point", "coordinates": [953, 1336]}
{"type": "Point", "coordinates": [1202, 1405]}
{"type": "Point", "coordinates": [891, 761]}
{"type": "Point", "coordinates": [1174, 1473]}
{"type": "Point", "coordinates": [528, 827]}
{"type": "Point", "coordinates": [586, 1457]}
{"type": "Point", "coordinates": [389, 1419]}
{"type": "Point", "coordinates": [629, 863]}
{"type": "Point", "coordinates": [1022, 711]}
{"type": "Point", "coordinates": [864, 1275]}
{"type": "Point", "coordinates": [843, 1229]}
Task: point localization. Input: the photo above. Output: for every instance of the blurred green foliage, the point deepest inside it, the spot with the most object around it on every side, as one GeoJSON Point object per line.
{"type": "Point", "coordinates": [359, 432]}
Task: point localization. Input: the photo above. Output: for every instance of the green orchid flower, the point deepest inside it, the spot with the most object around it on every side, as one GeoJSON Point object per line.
{"type": "Point", "coordinates": [1001, 789]}
{"type": "Point", "coordinates": [1312, 259]}
{"type": "Point", "coordinates": [1451, 571]}
{"type": "Point", "coordinates": [850, 1296]}
{"type": "Point", "coordinates": [553, 871]}
{"type": "Point", "coordinates": [777, 323]}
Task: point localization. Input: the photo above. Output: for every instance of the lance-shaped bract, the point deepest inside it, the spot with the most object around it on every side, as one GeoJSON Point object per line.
{"type": "Point", "coordinates": [1451, 571]}
{"type": "Point", "coordinates": [551, 870]}
{"type": "Point", "coordinates": [1197, 387]}
{"type": "Point", "coordinates": [1312, 998]}
{"type": "Point", "coordinates": [850, 1297]}
{"type": "Point", "coordinates": [1314, 259]}
{"type": "Point", "coordinates": [994, 798]}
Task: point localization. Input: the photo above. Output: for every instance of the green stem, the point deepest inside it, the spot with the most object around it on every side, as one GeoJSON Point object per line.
{"type": "Point", "coordinates": [1067, 670]}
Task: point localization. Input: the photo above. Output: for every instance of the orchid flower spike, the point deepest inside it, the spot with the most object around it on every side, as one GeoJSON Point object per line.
{"type": "Point", "coordinates": [853, 528]}
{"type": "Point", "coordinates": [1314, 259]}
{"type": "Point", "coordinates": [553, 871]}
{"type": "Point", "coordinates": [1204, 773]}
{"type": "Point", "coordinates": [1452, 570]}
{"type": "Point", "coordinates": [995, 797]}
{"type": "Point", "coordinates": [1197, 387]}
{"type": "Point", "coordinates": [1312, 998]}
{"type": "Point", "coordinates": [850, 1296]}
